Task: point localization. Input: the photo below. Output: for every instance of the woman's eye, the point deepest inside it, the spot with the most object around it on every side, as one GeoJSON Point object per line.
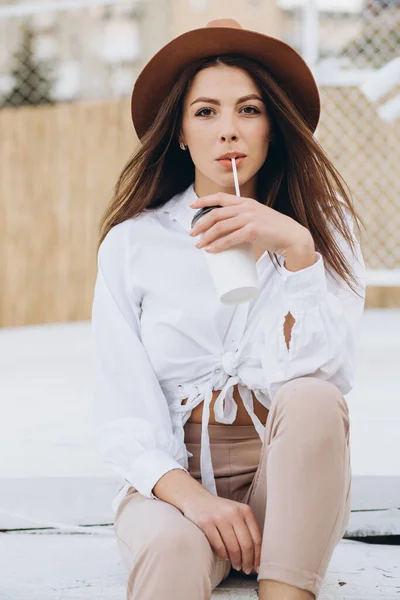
{"type": "Point", "coordinates": [199, 113]}
{"type": "Point", "coordinates": [252, 108]}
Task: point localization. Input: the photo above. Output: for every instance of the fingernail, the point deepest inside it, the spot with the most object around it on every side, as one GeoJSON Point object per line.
{"type": "Point", "coordinates": [237, 568]}
{"type": "Point", "coordinates": [247, 571]}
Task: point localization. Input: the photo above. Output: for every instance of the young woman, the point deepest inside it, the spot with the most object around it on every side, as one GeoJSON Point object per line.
{"type": "Point", "coordinates": [227, 422]}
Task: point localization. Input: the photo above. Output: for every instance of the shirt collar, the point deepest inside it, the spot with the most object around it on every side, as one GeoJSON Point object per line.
{"type": "Point", "coordinates": [178, 208]}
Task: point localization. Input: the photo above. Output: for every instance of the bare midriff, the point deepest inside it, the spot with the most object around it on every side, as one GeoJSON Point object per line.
{"type": "Point", "coordinates": [242, 416]}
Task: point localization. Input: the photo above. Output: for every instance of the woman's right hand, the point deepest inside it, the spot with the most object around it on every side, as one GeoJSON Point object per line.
{"type": "Point", "coordinates": [230, 527]}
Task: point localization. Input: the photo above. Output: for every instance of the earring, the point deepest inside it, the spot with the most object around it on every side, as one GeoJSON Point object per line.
{"type": "Point", "coordinates": [182, 146]}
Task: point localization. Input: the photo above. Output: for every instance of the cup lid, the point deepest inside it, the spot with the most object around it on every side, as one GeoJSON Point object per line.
{"type": "Point", "coordinates": [202, 212]}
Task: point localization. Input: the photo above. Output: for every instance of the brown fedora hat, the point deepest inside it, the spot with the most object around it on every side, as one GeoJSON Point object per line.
{"type": "Point", "coordinates": [222, 36]}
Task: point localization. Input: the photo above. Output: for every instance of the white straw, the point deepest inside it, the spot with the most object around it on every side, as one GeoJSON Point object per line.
{"type": "Point", "coordinates": [235, 177]}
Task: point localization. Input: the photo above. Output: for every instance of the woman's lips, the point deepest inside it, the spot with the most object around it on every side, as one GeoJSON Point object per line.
{"type": "Point", "coordinates": [227, 162]}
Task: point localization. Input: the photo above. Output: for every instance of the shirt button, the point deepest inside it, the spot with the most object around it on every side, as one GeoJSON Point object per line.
{"type": "Point", "coordinates": [217, 370]}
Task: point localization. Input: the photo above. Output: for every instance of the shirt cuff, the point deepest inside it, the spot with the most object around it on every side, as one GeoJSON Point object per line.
{"type": "Point", "coordinates": [149, 468]}
{"type": "Point", "coordinates": [304, 288]}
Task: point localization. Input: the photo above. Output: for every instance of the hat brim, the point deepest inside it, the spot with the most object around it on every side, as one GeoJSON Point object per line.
{"type": "Point", "coordinates": [159, 75]}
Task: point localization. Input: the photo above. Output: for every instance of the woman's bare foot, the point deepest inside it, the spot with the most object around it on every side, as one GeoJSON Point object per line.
{"type": "Point", "coordinates": [275, 590]}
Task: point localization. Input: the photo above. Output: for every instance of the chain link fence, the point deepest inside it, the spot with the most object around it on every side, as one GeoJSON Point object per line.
{"type": "Point", "coordinates": [354, 51]}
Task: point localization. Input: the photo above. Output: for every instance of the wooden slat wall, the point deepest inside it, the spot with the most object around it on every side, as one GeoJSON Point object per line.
{"type": "Point", "coordinates": [58, 168]}
{"type": "Point", "coordinates": [383, 297]}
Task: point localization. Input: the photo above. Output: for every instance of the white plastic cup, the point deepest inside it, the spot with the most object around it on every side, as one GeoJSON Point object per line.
{"type": "Point", "coordinates": [234, 270]}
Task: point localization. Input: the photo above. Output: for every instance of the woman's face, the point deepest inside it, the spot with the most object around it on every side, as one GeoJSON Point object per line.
{"type": "Point", "coordinates": [219, 118]}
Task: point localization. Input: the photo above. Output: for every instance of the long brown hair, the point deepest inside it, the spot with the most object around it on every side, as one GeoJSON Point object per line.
{"type": "Point", "coordinates": [296, 179]}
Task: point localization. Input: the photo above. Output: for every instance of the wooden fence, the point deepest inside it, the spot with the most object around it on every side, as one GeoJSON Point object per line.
{"type": "Point", "coordinates": [58, 166]}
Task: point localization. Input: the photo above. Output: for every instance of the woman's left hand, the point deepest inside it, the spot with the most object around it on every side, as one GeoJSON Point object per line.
{"type": "Point", "coordinates": [242, 220]}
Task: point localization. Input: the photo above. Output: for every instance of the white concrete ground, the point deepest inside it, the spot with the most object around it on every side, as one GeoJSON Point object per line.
{"type": "Point", "coordinates": [87, 567]}
{"type": "Point", "coordinates": [49, 474]}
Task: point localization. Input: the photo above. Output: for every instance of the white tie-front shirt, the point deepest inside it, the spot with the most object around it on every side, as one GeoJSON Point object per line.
{"type": "Point", "coordinates": [161, 335]}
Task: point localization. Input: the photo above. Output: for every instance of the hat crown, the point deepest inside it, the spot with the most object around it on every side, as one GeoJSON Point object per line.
{"type": "Point", "coordinates": [224, 23]}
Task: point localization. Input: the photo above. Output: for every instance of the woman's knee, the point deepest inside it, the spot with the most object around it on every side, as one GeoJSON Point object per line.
{"type": "Point", "coordinates": [180, 541]}
{"type": "Point", "coordinates": [186, 549]}
{"type": "Point", "coordinates": [314, 401]}
{"type": "Point", "coordinates": [160, 530]}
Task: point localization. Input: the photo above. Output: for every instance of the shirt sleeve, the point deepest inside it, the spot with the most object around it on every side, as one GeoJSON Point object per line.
{"type": "Point", "coordinates": [131, 423]}
{"type": "Point", "coordinates": [327, 318]}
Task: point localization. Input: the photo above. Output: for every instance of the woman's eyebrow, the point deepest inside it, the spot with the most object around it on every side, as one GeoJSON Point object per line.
{"type": "Point", "coordinates": [218, 103]}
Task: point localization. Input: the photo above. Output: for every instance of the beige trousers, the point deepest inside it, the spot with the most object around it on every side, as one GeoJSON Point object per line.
{"type": "Point", "coordinates": [297, 482]}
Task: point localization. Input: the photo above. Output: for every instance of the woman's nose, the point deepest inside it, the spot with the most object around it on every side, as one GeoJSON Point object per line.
{"type": "Point", "coordinates": [226, 136]}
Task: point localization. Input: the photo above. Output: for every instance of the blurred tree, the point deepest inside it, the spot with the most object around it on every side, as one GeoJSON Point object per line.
{"type": "Point", "coordinates": [32, 80]}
